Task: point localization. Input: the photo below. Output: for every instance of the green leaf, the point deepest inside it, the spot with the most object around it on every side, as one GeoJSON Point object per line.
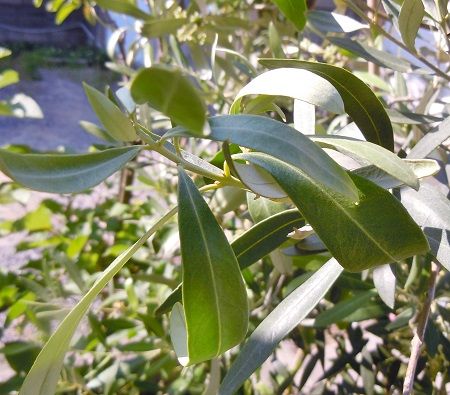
{"type": "Point", "coordinates": [330, 22]}
{"type": "Point", "coordinates": [431, 210]}
{"type": "Point", "coordinates": [265, 236]}
{"type": "Point", "coordinates": [115, 122]}
{"type": "Point", "coordinates": [93, 129]}
{"type": "Point", "coordinates": [372, 153]}
{"type": "Point", "coordinates": [360, 102]}
{"type": "Point", "coordinates": [294, 11]}
{"type": "Point", "coordinates": [8, 77]}
{"type": "Point", "coordinates": [275, 42]}
{"type": "Point", "coordinates": [4, 52]}
{"type": "Point", "coordinates": [261, 208]}
{"type": "Point", "coordinates": [43, 376]}
{"type": "Point", "coordinates": [123, 7]}
{"type": "Point", "coordinates": [169, 91]}
{"type": "Point", "coordinates": [381, 58]}
{"type": "Point", "coordinates": [282, 141]}
{"type": "Point", "coordinates": [375, 231]}
{"type": "Point", "coordinates": [411, 118]}
{"type": "Point", "coordinates": [409, 20]}
{"type": "Point", "coordinates": [299, 84]}
{"type": "Point", "coordinates": [64, 173]}
{"type": "Point", "coordinates": [342, 310]}
{"type": "Point", "coordinates": [431, 141]}
{"type": "Point", "coordinates": [159, 27]}
{"type": "Point", "coordinates": [251, 246]}
{"type": "Point", "coordinates": [282, 320]}
{"type": "Point", "coordinates": [420, 167]}
{"type": "Point", "coordinates": [214, 294]}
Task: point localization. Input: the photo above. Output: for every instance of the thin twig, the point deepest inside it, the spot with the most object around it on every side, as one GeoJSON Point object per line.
{"type": "Point", "coordinates": [418, 339]}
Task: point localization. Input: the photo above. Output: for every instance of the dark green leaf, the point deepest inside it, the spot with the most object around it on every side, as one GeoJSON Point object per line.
{"type": "Point", "coordinates": [360, 102]}
{"type": "Point", "coordinates": [282, 320]}
{"type": "Point", "coordinates": [294, 11]}
{"type": "Point", "coordinates": [64, 173]}
{"type": "Point", "coordinates": [115, 122]}
{"type": "Point", "coordinates": [282, 141]}
{"type": "Point", "coordinates": [375, 231]}
{"type": "Point", "coordinates": [169, 91]}
{"type": "Point", "coordinates": [214, 295]}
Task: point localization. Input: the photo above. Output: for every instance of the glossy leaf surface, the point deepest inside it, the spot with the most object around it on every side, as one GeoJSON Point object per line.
{"type": "Point", "coordinates": [64, 173]}
{"type": "Point", "coordinates": [375, 231]}
{"type": "Point", "coordinates": [385, 282]}
{"type": "Point", "coordinates": [115, 122]}
{"type": "Point", "coordinates": [171, 92]}
{"type": "Point", "coordinates": [331, 22]}
{"type": "Point", "coordinates": [360, 102]}
{"type": "Point", "coordinates": [374, 154]}
{"type": "Point", "coordinates": [279, 140]}
{"type": "Point", "coordinates": [214, 295]}
{"type": "Point", "coordinates": [299, 84]}
{"type": "Point", "coordinates": [282, 320]}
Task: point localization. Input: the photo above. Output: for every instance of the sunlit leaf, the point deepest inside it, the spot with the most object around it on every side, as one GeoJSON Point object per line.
{"type": "Point", "coordinates": [431, 141]}
{"type": "Point", "coordinates": [385, 282]}
{"type": "Point", "coordinates": [64, 173]}
{"type": "Point", "coordinates": [331, 22]}
{"type": "Point", "coordinates": [294, 11]}
{"type": "Point", "coordinates": [123, 7]}
{"type": "Point", "coordinates": [360, 102]}
{"type": "Point", "coordinates": [375, 231]}
{"type": "Point", "coordinates": [214, 296]}
{"type": "Point", "coordinates": [282, 320]}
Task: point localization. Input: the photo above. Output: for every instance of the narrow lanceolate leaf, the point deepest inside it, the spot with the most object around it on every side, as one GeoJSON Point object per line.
{"type": "Point", "coordinates": [279, 140]}
{"type": "Point", "coordinates": [169, 91]}
{"type": "Point", "coordinates": [43, 376]}
{"type": "Point", "coordinates": [282, 320]}
{"type": "Point", "coordinates": [294, 11]}
{"type": "Point", "coordinates": [299, 84]}
{"type": "Point", "coordinates": [123, 7]}
{"type": "Point", "coordinates": [158, 27]}
{"type": "Point", "coordinates": [330, 22]}
{"type": "Point", "coordinates": [385, 281]}
{"type": "Point", "coordinates": [64, 173]}
{"type": "Point", "coordinates": [420, 167]}
{"type": "Point", "coordinates": [252, 245]}
{"type": "Point", "coordinates": [360, 102]}
{"type": "Point", "coordinates": [374, 154]}
{"type": "Point", "coordinates": [214, 295]}
{"type": "Point", "coordinates": [431, 210]}
{"type": "Point", "coordinates": [375, 231]}
{"type": "Point", "coordinates": [431, 141]}
{"type": "Point", "coordinates": [409, 20]}
{"type": "Point", "coordinates": [115, 122]}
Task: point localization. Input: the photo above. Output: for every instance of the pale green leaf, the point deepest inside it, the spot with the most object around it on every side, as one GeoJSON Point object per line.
{"type": "Point", "coordinates": [294, 11]}
{"type": "Point", "coordinates": [64, 173]}
{"type": "Point", "coordinates": [115, 122]}
{"type": "Point", "coordinates": [8, 77]}
{"type": "Point", "coordinates": [409, 20]}
{"type": "Point", "coordinates": [385, 281]}
{"type": "Point", "coordinates": [360, 102]}
{"type": "Point", "coordinates": [299, 84]}
{"type": "Point", "coordinates": [331, 22]}
{"type": "Point", "coordinates": [123, 7]}
{"type": "Point", "coordinates": [161, 26]}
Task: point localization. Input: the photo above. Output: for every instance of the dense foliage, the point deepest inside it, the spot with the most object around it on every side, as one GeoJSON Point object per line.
{"type": "Point", "coordinates": [283, 216]}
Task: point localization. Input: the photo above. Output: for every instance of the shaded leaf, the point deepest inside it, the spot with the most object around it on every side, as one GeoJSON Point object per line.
{"type": "Point", "coordinates": [360, 102]}
{"type": "Point", "coordinates": [331, 22]}
{"type": "Point", "coordinates": [161, 26]}
{"type": "Point", "coordinates": [409, 20]}
{"type": "Point", "coordinates": [282, 320]}
{"type": "Point", "coordinates": [431, 141]}
{"type": "Point", "coordinates": [64, 173]}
